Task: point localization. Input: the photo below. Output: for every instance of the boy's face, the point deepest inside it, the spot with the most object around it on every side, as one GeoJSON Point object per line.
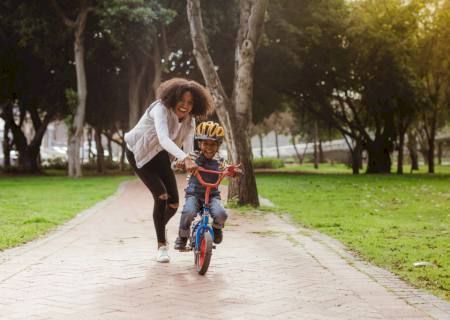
{"type": "Point", "coordinates": [208, 148]}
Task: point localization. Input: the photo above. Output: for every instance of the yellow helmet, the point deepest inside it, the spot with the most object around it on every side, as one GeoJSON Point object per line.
{"type": "Point", "coordinates": [209, 131]}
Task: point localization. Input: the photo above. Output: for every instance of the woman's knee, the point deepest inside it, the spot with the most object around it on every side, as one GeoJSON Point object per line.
{"type": "Point", "coordinates": [173, 205]}
{"type": "Point", "coordinates": [163, 197]}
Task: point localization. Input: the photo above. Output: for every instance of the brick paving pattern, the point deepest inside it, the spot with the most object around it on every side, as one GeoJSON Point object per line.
{"type": "Point", "coordinates": [101, 265]}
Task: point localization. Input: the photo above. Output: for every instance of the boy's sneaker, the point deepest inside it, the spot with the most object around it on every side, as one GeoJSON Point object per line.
{"type": "Point", "coordinates": [180, 243]}
{"type": "Point", "coordinates": [218, 235]}
{"type": "Point", "coordinates": [163, 254]}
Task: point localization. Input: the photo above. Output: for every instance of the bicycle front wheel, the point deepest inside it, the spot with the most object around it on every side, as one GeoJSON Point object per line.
{"type": "Point", "coordinates": [203, 256]}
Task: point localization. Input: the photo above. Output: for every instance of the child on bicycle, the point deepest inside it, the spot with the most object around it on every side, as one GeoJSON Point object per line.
{"type": "Point", "coordinates": [209, 136]}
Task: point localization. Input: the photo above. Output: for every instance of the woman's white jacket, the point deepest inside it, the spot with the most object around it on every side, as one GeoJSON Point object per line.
{"type": "Point", "coordinates": [159, 129]}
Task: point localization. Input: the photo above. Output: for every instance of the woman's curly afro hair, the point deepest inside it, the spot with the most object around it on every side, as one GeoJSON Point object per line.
{"type": "Point", "coordinates": [171, 91]}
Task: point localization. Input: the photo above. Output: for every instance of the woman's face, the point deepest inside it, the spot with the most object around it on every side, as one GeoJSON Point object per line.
{"type": "Point", "coordinates": [184, 106]}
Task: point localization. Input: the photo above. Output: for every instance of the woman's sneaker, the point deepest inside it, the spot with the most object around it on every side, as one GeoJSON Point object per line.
{"type": "Point", "coordinates": [163, 254]}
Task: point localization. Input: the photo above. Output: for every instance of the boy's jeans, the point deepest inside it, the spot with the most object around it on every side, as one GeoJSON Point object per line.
{"type": "Point", "coordinates": [192, 205]}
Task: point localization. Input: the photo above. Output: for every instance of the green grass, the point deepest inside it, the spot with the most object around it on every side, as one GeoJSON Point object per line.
{"type": "Point", "coordinates": [323, 168]}
{"type": "Point", "coordinates": [31, 206]}
{"type": "Point", "coordinates": [390, 220]}
{"type": "Point", "coordinates": [342, 168]}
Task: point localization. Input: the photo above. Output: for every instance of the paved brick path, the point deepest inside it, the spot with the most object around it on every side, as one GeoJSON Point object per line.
{"type": "Point", "coordinates": [101, 266]}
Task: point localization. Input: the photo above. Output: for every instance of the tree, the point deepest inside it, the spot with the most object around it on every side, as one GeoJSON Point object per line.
{"type": "Point", "coordinates": [234, 112]}
{"type": "Point", "coordinates": [32, 89]}
{"type": "Point", "coordinates": [347, 62]}
{"type": "Point", "coordinates": [76, 129]}
{"type": "Point", "coordinates": [138, 32]}
{"type": "Point", "coordinates": [433, 67]}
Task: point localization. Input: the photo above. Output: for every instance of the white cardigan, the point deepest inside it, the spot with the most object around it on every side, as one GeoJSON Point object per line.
{"type": "Point", "coordinates": [158, 129]}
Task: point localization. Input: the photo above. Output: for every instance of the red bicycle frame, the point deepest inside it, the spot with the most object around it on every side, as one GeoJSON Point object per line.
{"type": "Point", "coordinates": [229, 171]}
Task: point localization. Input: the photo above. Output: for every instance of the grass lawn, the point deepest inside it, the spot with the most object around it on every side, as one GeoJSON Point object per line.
{"type": "Point", "coordinates": [342, 168]}
{"type": "Point", "coordinates": [32, 205]}
{"type": "Point", "coordinates": [390, 220]}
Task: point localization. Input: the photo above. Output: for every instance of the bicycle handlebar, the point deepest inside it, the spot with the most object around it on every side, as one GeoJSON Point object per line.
{"type": "Point", "coordinates": [229, 171]}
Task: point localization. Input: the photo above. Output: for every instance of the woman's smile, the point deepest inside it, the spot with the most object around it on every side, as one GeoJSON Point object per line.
{"type": "Point", "coordinates": [185, 105]}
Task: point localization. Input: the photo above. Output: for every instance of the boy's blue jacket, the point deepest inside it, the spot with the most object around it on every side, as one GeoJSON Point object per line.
{"type": "Point", "coordinates": [194, 188]}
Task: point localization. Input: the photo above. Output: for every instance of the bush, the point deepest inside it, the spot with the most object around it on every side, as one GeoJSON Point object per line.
{"type": "Point", "coordinates": [58, 163]}
{"type": "Point", "coordinates": [268, 163]}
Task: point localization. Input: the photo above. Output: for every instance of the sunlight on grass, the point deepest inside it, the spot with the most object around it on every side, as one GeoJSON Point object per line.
{"type": "Point", "coordinates": [391, 220]}
{"type": "Point", "coordinates": [30, 206]}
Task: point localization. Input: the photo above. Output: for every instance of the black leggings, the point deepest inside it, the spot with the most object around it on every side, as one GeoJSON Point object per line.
{"type": "Point", "coordinates": [159, 178]}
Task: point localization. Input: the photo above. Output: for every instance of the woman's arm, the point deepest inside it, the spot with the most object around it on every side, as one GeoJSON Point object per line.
{"type": "Point", "coordinates": [188, 140]}
{"type": "Point", "coordinates": [162, 131]}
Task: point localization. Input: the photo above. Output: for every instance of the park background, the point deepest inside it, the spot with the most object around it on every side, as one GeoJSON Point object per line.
{"type": "Point", "coordinates": [339, 112]}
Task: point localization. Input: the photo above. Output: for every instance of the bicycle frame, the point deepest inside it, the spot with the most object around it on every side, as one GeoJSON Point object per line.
{"type": "Point", "coordinates": [203, 225]}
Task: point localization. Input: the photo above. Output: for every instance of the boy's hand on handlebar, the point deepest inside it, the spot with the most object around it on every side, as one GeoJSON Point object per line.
{"type": "Point", "coordinates": [190, 165]}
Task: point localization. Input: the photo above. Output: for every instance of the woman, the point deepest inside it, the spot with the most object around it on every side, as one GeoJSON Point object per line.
{"type": "Point", "coordinates": [166, 126]}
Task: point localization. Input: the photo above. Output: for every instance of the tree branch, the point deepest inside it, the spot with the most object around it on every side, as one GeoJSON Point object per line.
{"type": "Point", "coordinates": [68, 22]}
{"type": "Point", "coordinates": [201, 52]}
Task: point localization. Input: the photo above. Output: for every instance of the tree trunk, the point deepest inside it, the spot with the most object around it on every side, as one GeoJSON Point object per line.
{"type": "Point", "coordinates": [356, 160]}
{"type": "Point", "coordinates": [135, 76]}
{"type": "Point", "coordinates": [89, 138]}
{"type": "Point", "coordinates": [78, 122]}
{"type": "Point", "coordinates": [431, 139]}
{"type": "Point", "coordinates": [29, 160]}
{"type": "Point", "coordinates": [379, 156]}
{"type": "Point", "coordinates": [316, 156]}
{"type": "Point", "coordinates": [76, 131]}
{"type": "Point", "coordinates": [244, 187]}
{"type": "Point", "coordinates": [6, 147]}
{"type": "Point", "coordinates": [100, 150]}
{"type": "Point", "coordinates": [412, 148]}
{"type": "Point", "coordinates": [356, 157]}
{"type": "Point", "coordinates": [276, 144]}
{"type": "Point", "coordinates": [304, 153]}
{"type": "Point", "coordinates": [29, 157]}
{"type": "Point", "coordinates": [401, 145]}
{"type": "Point", "coordinates": [157, 70]}
{"type": "Point", "coordinates": [294, 145]}
{"type": "Point", "coordinates": [321, 154]}
{"type": "Point", "coordinates": [261, 145]}
{"type": "Point", "coordinates": [424, 151]}
{"type": "Point", "coordinates": [414, 159]}
{"type": "Point", "coordinates": [110, 151]}
{"type": "Point", "coordinates": [430, 155]}
{"type": "Point", "coordinates": [440, 152]}
{"type": "Point", "coordinates": [235, 113]}
{"type": "Point", "coordinates": [122, 157]}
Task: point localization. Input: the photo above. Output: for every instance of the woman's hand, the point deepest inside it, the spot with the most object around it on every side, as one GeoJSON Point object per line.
{"type": "Point", "coordinates": [190, 165]}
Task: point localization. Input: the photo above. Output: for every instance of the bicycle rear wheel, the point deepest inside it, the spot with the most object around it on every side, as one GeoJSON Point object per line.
{"type": "Point", "coordinates": [203, 256]}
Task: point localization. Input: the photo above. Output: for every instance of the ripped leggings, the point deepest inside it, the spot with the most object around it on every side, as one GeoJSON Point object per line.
{"type": "Point", "coordinates": [160, 180]}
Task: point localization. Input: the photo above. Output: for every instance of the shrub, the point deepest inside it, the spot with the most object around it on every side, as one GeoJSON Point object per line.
{"type": "Point", "coordinates": [58, 163]}
{"type": "Point", "coordinates": [268, 163]}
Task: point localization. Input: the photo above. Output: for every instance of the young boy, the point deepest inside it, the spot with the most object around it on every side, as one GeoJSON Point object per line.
{"type": "Point", "coordinates": [209, 136]}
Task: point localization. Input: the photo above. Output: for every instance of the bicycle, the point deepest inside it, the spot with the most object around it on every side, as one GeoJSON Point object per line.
{"type": "Point", "coordinates": [202, 234]}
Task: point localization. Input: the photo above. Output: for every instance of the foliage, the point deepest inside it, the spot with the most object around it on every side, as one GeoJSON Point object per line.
{"type": "Point", "coordinates": [268, 163]}
{"type": "Point", "coordinates": [58, 163]}
{"type": "Point", "coordinates": [132, 24]}
{"type": "Point", "coordinates": [390, 228]}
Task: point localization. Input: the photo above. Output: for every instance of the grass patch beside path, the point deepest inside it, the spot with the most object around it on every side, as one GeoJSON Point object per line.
{"type": "Point", "coordinates": [32, 205]}
{"type": "Point", "coordinates": [342, 168]}
{"type": "Point", "coordinates": [390, 220]}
